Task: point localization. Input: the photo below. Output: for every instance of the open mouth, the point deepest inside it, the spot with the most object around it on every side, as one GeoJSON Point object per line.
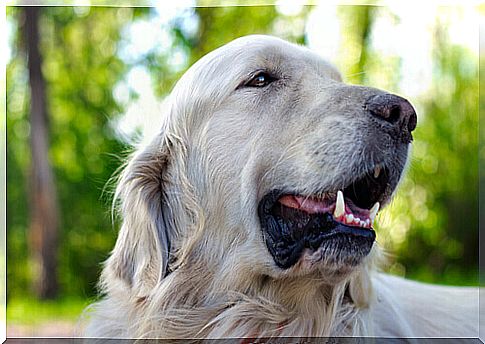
{"type": "Point", "coordinates": [340, 220]}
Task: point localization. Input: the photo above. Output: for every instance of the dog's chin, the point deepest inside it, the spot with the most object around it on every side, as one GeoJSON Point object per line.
{"type": "Point", "coordinates": [326, 265]}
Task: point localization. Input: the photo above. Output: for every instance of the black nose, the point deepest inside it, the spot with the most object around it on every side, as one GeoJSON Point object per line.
{"type": "Point", "coordinates": [395, 110]}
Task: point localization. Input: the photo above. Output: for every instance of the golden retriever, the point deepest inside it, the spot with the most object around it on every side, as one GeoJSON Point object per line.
{"type": "Point", "coordinates": [250, 213]}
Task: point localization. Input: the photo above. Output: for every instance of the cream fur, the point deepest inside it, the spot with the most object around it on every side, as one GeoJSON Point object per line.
{"type": "Point", "coordinates": [190, 261]}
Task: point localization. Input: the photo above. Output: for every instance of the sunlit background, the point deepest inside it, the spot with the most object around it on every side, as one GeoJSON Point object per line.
{"type": "Point", "coordinates": [107, 70]}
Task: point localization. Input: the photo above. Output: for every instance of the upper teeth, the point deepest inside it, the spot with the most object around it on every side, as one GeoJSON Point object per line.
{"type": "Point", "coordinates": [373, 211]}
{"type": "Point", "coordinates": [377, 171]}
{"type": "Point", "coordinates": [339, 205]}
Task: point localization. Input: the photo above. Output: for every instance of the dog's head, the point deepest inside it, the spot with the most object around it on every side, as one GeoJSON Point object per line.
{"type": "Point", "coordinates": [267, 162]}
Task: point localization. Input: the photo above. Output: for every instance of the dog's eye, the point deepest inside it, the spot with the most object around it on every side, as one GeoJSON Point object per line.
{"type": "Point", "coordinates": [261, 79]}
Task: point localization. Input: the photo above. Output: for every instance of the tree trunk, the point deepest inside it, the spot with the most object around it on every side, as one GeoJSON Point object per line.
{"type": "Point", "coordinates": [44, 211]}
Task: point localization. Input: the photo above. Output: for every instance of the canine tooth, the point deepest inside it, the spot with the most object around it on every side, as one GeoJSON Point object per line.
{"type": "Point", "coordinates": [373, 211]}
{"type": "Point", "coordinates": [377, 171]}
{"type": "Point", "coordinates": [339, 205]}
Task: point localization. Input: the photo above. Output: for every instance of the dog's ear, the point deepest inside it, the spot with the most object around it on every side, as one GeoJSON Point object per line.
{"type": "Point", "coordinates": [140, 256]}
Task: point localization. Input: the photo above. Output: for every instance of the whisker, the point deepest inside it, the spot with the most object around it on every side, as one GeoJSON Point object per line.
{"type": "Point", "coordinates": [355, 74]}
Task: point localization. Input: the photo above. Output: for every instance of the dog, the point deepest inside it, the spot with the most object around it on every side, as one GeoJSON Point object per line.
{"type": "Point", "coordinates": [250, 214]}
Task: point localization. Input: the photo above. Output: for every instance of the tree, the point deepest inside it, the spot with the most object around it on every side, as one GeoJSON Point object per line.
{"type": "Point", "coordinates": [44, 210]}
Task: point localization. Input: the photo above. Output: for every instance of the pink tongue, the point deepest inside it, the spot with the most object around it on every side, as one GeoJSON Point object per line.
{"type": "Point", "coordinates": [308, 205]}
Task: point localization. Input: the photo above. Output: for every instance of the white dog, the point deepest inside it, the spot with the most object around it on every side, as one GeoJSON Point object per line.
{"type": "Point", "coordinates": [251, 213]}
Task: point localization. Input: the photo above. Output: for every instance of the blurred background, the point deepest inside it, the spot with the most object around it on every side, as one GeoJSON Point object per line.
{"type": "Point", "coordinates": [85, 83]}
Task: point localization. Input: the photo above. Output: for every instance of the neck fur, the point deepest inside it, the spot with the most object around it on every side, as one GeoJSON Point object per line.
{"type": "Point", "coordinates": [188, 305]}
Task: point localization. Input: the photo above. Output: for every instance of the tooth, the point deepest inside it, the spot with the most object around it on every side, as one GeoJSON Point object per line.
{"type": "Point", "coordinates": [367, 223]}
{"type": "Point", "coordinates": [362, 223]}
{"type": "Point", "coordinates": [350, 218]}
{"type": "Point", "coordinates": [339, 205]}
{"type": "Point", "coordinates": [356, 220]}
{"type": "Point", "coordinates": [377, 171]}
{"type": "Point", "coordinates": [373, 212]}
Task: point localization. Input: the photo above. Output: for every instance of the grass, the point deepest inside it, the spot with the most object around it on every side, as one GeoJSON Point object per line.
{"type": "Point", "coordinates": [30, 311]}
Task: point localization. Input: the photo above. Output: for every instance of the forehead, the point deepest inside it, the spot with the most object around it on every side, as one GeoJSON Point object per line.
{"type": "Point", "coordinates": [264, 52]}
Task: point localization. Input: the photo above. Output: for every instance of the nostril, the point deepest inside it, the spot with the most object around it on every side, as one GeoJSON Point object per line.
{"type": "Point", "coordinates": [394, 114]}
{"type": "Point", "coordinates": [393, 109]}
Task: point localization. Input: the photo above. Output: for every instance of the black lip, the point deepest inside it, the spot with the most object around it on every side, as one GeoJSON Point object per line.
{"type": "Point", "coordinates": [286, 241]}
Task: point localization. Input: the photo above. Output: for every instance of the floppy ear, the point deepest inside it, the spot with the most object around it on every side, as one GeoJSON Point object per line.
{"type": "Point", "coordinates": [140, 256]}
